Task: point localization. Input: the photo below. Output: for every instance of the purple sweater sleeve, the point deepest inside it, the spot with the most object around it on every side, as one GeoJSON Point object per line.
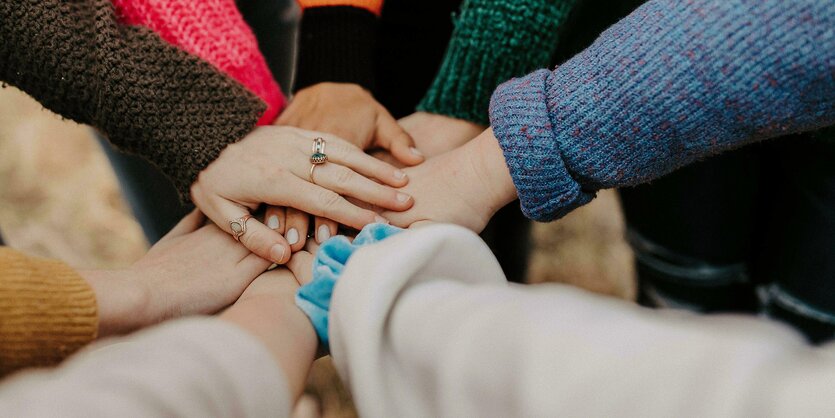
{"type": "Point", "coordinates": [675, 81]}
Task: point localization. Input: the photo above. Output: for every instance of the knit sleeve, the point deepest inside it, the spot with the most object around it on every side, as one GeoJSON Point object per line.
{"type": "Point", "coordinates": [47, 311]}
{"type": "Point", "coordinates": [493, 41]}
{"type": "Point", "coordinates": [216, 32]}
{"type": "Point", "coordinates": [337, 39]}
{"type": "Point", "coordinates": [148, 97]}
{"type": "Point", "coordinates": [671, 83]}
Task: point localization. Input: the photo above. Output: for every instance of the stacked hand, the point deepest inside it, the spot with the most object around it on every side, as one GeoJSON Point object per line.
{"type": "Point", "coordinates": [465, 186]}
{"type": "Point", "coordinates": [349, 112]}
{"type": "Point", "coordinates": [194, 269]}
{"type": "Point", "coordinates": [272, 165]}
{"type": "Point", "coordinates": [267, 310]}
{"type": "Point", "coordinates": [436, 134]}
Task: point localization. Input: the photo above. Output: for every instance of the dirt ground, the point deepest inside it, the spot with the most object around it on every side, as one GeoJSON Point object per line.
{"type": "Point", "coordinates": [59, 198]}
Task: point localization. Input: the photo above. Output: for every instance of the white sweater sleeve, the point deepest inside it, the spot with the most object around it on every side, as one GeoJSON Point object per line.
{"type": "Point", "coordinates": [424, 324]}
{"type": "Point", "coordinates": [186, 368]}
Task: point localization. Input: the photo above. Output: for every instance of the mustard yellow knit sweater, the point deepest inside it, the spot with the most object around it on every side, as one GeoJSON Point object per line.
{"type": "Point", "coordinates": [47, 311]}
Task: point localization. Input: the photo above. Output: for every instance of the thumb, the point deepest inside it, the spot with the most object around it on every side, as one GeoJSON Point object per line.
{"type": "Point", "coordinates": [188, 224]}
{"type": "Point", "coordinates": [391, 136]}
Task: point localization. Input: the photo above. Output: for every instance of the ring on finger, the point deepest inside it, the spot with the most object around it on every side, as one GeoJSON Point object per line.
{"type": "Point", "coordinates": [238, 227]}
{"type": "Point", "coordinates": [318, 157]}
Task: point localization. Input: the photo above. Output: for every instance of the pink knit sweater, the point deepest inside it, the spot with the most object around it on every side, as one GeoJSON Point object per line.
{"type": "Point", "coordinates": [215, 31]}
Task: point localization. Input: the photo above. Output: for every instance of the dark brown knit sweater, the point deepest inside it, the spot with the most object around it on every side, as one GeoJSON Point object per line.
{"type": "Point", "coordinates": [148, 97]}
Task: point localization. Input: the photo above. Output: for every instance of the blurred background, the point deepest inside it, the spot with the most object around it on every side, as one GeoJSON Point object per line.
{"type": "Point", "coordinates": [59, 198]}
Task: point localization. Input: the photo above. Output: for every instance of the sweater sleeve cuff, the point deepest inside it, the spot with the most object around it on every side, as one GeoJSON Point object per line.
{"type": "Point", "coordinates": [47, 312]}
{"type": "Point", "coordinates": [336, 44]}
{"type": "Point", "coordinates": [487, 48]}
{"type": "Point", "coordinates": [521, 122]}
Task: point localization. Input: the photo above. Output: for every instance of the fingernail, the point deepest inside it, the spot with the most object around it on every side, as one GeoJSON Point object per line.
{"type": "Point", "coordinates": [272, 222]}
{"type": "Point", "coordinates": [277, 253]}
{"type": "Point", "coordinates": [292, 236]}
{"type": "Point", "coordinates": [416, 151]}
{"type": "Point", "coordinates": [403, 197]}
{"type": "Point", "coordinates": [399, 174]}
{"type": "Point", "coordinates": [323, 234]}
{"type": "Point", "coordinates": [381, 220]}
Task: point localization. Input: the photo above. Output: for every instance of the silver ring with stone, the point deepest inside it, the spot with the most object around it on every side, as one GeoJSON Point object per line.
{"type": "Point", "coordinates": [238, 227]}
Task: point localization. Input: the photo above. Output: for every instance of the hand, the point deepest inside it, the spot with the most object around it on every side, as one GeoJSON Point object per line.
{"type": "Point", "coordinates": [272, 165]}
{"type": "Point", "coordinates": [350, 112]}
{"type": "Point", "coordinates": [267, 310]}
{"type": "Point", "coordinates": [465, 186]}
{"type": "Point", "coordinates": [436, 134]}
{"type": "Point", "coordinates": [194, 269]}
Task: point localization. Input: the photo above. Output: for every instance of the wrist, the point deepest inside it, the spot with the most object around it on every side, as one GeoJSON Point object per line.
{"type": "Point", "coordinates": [491, 172]}
{"type": "Point", "coordinates": [283, 329]}
{"type": "Point", "coordinates": [435, 134]}
{"type": "Point", "coordinates": [123, 301]}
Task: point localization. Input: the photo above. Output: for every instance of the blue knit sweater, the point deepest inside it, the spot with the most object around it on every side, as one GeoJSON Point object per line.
{"type": "Point", "coordinates": [674, 82]}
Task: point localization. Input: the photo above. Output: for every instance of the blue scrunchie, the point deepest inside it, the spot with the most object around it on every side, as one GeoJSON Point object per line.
{"type": "Point", "coordinates": [314, 298]}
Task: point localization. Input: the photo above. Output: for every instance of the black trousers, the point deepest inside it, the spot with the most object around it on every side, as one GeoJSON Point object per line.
{"type": "Point", "coordinates": [707, 236]}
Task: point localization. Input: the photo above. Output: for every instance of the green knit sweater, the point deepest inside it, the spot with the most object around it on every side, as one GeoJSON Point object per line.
{"type": "Point", "coordinates": [493, 41]}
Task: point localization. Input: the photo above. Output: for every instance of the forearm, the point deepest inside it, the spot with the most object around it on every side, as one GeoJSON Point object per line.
{"type": "Point", "coordinates": [490, 173]}
{"type": "Point", "coordinates": [216, 33]}
{"type": "Point", "coordinates": [671, 83]}
{"type": "Point", "coordinates": [47, 312]}
{"type": "Point", "coordinates": [445, 322]}
{"type": "Point", "coordinates": [493, 41]}
{"type": "Point", "coordinates": [284, 330]}
{"type": "Point", "coordinates": [123, 301]}
{"type": "Point", "coordinates": [147, 97]}
{"type": "Point", "coordinates": [337, 40]}
{"type": "Point", "coordinates": [196, 367]}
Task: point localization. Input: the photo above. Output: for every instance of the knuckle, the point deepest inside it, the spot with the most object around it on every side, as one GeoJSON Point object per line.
{"type": "Point", "coordinates": [404, 138]}
{"type": "Point", "coordinates": [277, 172]}
{"type": "Point", "coordinates": [339, 146]}
{"type": "Point", "coordinates": [344, 175]}
{"type": "Point", "coordinates": [256, 241]}
{"type": "Point", "coordinates": [330, 201]}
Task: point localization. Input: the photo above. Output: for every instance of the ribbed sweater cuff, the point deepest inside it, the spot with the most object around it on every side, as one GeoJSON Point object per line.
{"type": "Point", "coordinates": [373, 6]}
{"type": "Point", "coordinates": [47, 311]}
{"type": "Point", "coordinates": [336, 44]}
{"type": "Point", "coordinates": [493, 41]}
{"type": "Point", "coordinates": [521, 122]}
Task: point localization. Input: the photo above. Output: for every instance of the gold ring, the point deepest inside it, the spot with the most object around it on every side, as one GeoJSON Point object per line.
{"type": "Point", "coordinates": [238, 227]}
{"type": "Point", "coordinates": [310, 173]}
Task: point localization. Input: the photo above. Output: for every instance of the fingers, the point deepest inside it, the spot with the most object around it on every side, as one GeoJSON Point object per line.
{"type": "Point", "coordinates": [301, 265]}
{"type": "Point", "coordinates": [403, 219]}
{"type": "Point", "coordinates": [189, 223]}
{"type": "Point", "coordinates": [319, 201]}
{"type": "Point", "coordinates": [325, 228]}
{"type": "Point", "coordinates": [254, 264]}
{"type": "Point", "coordinates": [342, 153]}
{"type": "Point", "coordinates": [391, 136]}
{"type": "Point", "coordinates": [258, 238]}
{"type": "Point", "coordinates": [274, 218]}
{"type": "Point", "coordinates": [346, 182]}
{"type": "Point", "coordinates": [296, 229]}
{"type": "Point", "coordinates": [312, 246]}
